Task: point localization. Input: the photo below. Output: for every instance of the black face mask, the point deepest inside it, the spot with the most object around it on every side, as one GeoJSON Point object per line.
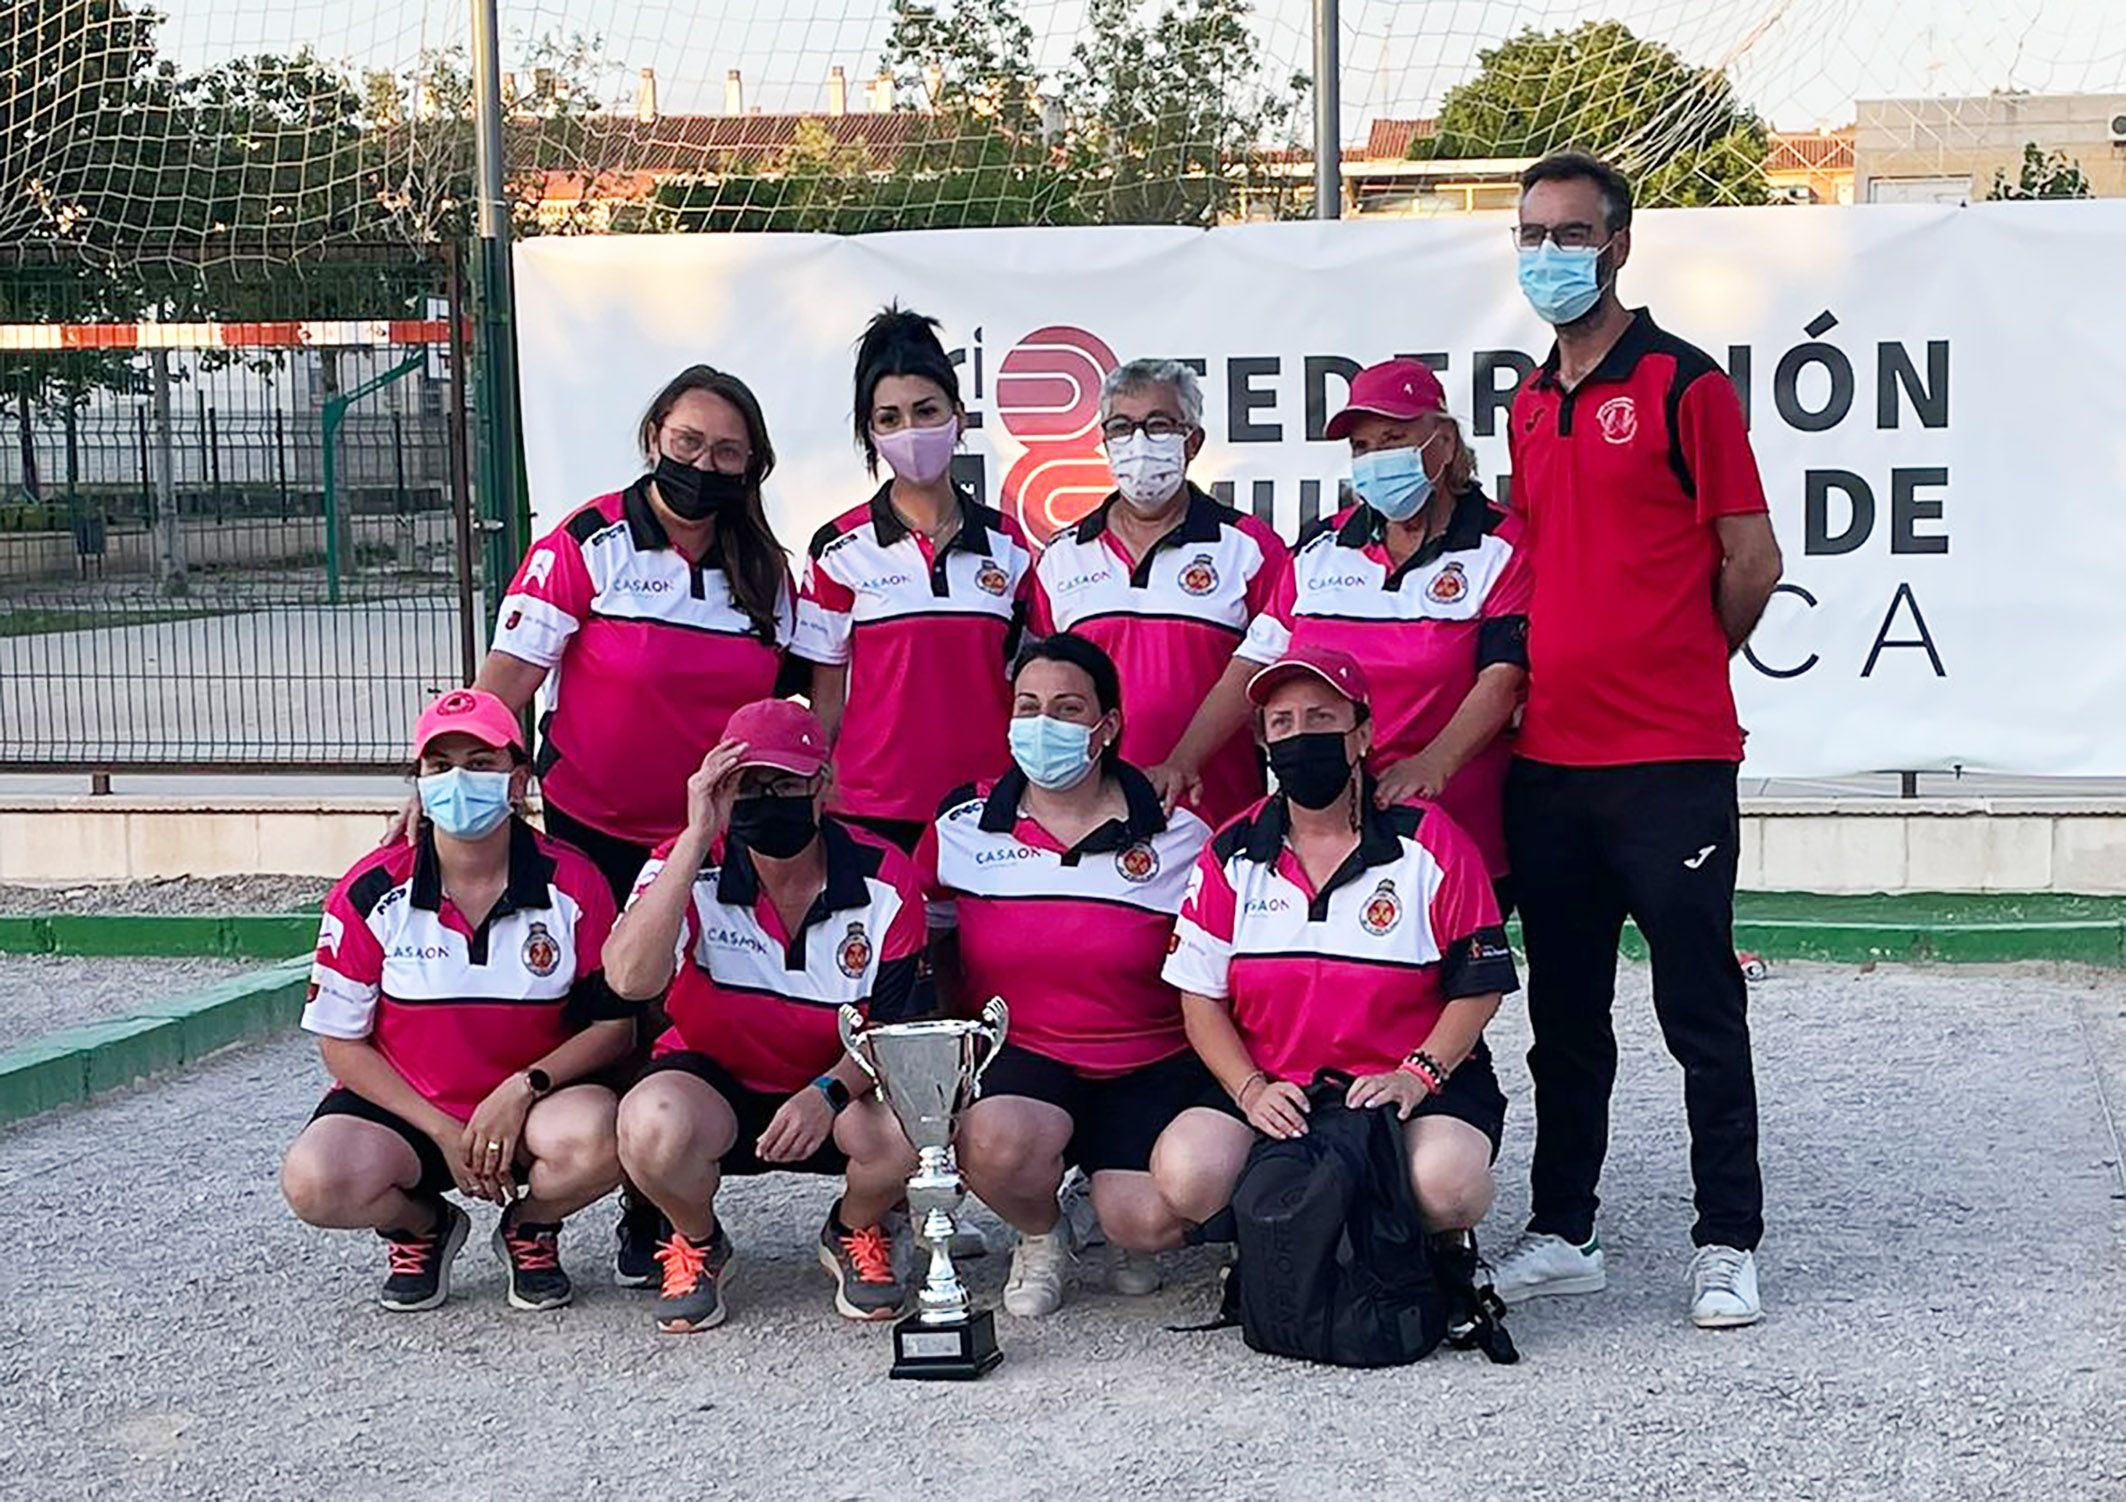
{"type": "Point", "coordinates": [698, 495]}
{"type": "Point", "coordinates": [1312, 769]}
{"type": "Point", "coordinates": [775, 825]}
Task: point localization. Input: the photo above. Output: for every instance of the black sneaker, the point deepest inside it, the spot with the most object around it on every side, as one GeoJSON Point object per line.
{"type": "Point", "coordinates": [532, 1253]}
{"type": "Point", "coordinates": [690, 1297]}
{"type": "Point", "coordinates": [420, 1264]}
{"type": "Point", "coordinates": [642, 1227]}
{"type": "Point", "coordinates": [867, 1279]}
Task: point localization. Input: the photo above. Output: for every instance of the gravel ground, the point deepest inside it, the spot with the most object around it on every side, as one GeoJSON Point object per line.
{"type": "Point", "coordinates": [42, 993]}
{"type": "Point", "coordinates": [178, 894]}
{"type": "Point", "coordinates": [1944, 1277]}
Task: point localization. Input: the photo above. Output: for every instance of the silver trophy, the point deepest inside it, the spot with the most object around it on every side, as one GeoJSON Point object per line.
{"type": "Point", "coordinates": [927, 1073]}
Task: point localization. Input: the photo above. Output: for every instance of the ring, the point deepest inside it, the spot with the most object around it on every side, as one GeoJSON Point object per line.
{"type": "Point", "coordinates": [494, 1147]}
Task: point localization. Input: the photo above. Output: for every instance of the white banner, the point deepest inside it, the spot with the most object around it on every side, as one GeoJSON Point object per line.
{"type": "Point", "coordinates": [1937, 398]}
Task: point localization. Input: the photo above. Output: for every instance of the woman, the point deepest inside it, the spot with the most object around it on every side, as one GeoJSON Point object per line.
{"type": "Point", "coordinates": [459, 1005]}
{"type": "Point", "coordinates": [1062, 879]}
{"type": "Point", "coordinates": [657, 610]}
{"type": "Point", "coordinates": [773, 917]}
{"type": "Point", "coordinates": [913, 601]}
{"type": "Point", "coordinates": [1424, 583]}
{"type": "Point", "coordinates": [1309, 943]}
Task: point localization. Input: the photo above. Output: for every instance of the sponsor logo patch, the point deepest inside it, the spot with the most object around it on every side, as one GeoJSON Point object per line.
{"type": "Point", "coordinates": [1618, 418]}
{"type": "Point", "coordinates": [538, 567]}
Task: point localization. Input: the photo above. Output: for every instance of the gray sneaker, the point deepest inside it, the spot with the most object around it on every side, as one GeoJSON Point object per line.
{"type": "Point", "coordinates": [691, 1296]}
{"type": "Point", "coordinates": [868, 1282]}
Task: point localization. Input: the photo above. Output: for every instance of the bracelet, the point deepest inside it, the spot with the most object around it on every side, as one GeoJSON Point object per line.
{"type": "Point", "coordinates": [1426, 1069]}
{"type": "Point", "coordinates": [1240, 1096]}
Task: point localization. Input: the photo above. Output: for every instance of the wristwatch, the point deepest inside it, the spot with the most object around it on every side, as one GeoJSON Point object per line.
{"type": "Point", "coordinates": [540, 1081]}
{"type": "Point", "coordinates": [836, 1092]}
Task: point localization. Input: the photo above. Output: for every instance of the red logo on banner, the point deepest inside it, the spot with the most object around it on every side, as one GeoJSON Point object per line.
{"type": "Point", "coordinates": [1048, 397]}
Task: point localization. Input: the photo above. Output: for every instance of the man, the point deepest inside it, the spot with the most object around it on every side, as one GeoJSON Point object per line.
{"type": "Point", "coordinates": [1166, 581]}
{"type": "Point", "coordinates": [1653, 558]}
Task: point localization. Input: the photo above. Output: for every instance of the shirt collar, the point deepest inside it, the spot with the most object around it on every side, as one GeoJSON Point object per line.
{"type": "Point", "coordinates": [738, 882]}
{"type": "Point", "coordinates": [1623, 357]}
{"type": "Point", "coordinates": [1143, 816]}
{"type": "Point", "coordinates": [1473, 518]}
{"type": "Point", "coordinates": [643, 528]}
{"type": "Point", "coordinates": [1378, 842]}
{"type": "Point", "coordinates": [972, 537]}
{"type": "Point", "coordinates": [531, 872]}
{"type": "Point", "coordinates": [1199, 520]}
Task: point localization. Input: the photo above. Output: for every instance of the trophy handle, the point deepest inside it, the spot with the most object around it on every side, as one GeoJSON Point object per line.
{"type": "Point", "coordinates": [850, 1021]}
{"type": "Point", "coordinates": [996, 1022]}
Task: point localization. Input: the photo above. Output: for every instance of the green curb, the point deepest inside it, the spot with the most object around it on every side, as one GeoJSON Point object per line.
{"type": "Point", "coordinates": [66, 1068]}
{"type": "Point", "coordinates": [242, 936]}
{"type": "Point", "coordinates": [2089, 942]}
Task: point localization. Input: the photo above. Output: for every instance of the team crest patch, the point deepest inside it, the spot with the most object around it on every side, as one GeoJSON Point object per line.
{"type": "Point", "coordinates": [1383, 910]}
{"type": "Point", "coordinates": [991, 577]}
{"type": "Point", "coordinates": [1198, 576]}
{"type": "Point", "coordinates": [542, 955]}
{"type": "Point", "coordinates": [516, 619]}
{"type": "Point", "coordinates": [1618, 418]}
{"type": "Point", "coordinates": [854, 956]}
{"type": "Point", "coordinates": [1137, 863]}
{"type": "Point", "coordinates": [1448, 585]}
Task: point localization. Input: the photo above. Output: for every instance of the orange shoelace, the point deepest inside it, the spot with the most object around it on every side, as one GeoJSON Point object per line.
{"type": "Point", "coordinates": [683, 1264]}
{"type": "Point", "coordinates": [409, 1258]}
{"type": "Point", "coordinates": [871, 1254]}
{"type": "Point", "coordinates": [532, 1253]}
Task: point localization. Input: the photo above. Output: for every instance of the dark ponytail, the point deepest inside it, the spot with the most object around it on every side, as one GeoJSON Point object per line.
{"type": "Point", "coordinates": [898, 341]}
{"type": "Point", "coordinates": [752, 561]}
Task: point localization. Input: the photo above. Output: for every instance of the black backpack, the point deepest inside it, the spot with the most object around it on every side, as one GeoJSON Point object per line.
{"type": "Point", "coordinates": [1335, 1265]}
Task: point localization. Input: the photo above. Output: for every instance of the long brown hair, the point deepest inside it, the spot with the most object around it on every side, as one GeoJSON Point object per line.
{"type": "Point", "coordinates": [752, 561]}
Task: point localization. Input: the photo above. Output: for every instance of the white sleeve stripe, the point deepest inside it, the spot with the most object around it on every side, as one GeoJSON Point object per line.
{"type": "Point", "coordinates": [339, 1008]}
{"type": "Point", "coordinates": [1266, 641]}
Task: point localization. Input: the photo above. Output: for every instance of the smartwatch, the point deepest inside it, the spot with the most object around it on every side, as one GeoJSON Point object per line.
{"type": "Point", "coordinates": [836, 1092]}
{"type": "Point", "coordinates": [540, 1081]}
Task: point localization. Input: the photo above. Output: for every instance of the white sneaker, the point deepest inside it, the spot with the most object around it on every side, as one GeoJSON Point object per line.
{"type": "Point", "coordinates": [1537, 1266]}
{"type": "Point", "coordinates": [1723, 1288]}
{"type": "Point", "coordinates": [1134, 1273]}
{"type": "Point", "coordinates": [1038, 1263]}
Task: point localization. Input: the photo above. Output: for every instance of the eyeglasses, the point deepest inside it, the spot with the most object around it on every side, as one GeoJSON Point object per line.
{"type": "Point", "coordinates": [1158, 425]}
{"type": "Point", "coordinates": [689, 447]}
{"type": "Point", "coordinates": [1566, 236]}
{"type": "Point", "coordinates": [782, 785]}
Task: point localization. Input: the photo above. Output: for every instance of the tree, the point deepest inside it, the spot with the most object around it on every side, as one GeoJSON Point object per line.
{"type": "Point", "coordinates": [1677, 129]}
{"type": "Point", "coordinates": [2044, 175]}
{"type": "Point", "coordinates": [1175, 116]}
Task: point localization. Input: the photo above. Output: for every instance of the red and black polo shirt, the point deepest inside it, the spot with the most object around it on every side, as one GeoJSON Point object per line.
{"type": "Point", "coordinates": [1621, 481]}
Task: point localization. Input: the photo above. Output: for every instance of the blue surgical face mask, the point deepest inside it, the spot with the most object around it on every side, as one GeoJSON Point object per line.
{"type": "Point", "coordinates": [463, 803]}
{"type": "Point", "coordinates": [1561, 284]}
{"type": "Point", "coordinates": [1054, 754]}
{"type": "Point", "coordinates": [1392, 481]}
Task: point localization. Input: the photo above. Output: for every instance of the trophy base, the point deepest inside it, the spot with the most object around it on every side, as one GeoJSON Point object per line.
{"type": "Point", "coordinates": [946, 1353]}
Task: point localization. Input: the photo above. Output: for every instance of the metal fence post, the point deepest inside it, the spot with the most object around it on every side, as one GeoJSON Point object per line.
{"type": "Point", "coordinates": [495, 396]}
{"type": "Point", "coordinates": [1328, 113]}
{"type": "Point", "coordinates": [171, 569]}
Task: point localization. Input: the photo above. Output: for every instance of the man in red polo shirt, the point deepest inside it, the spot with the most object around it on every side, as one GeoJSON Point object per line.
{"type": "Point", "coordinates": [1653, 556]}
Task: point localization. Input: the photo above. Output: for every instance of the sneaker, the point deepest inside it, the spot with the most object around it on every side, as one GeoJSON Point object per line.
{"type": "Point", "coordinates": [1038, 1263]}
{"type": "Point", "coordinates": [420, 1264]}
{"type": "Point", "coordinates": [641, 1229]}
{"type": "Point", "coordinates": [1134, 1273]}
{"type": "Point", "coordinates": [690, 1296]}
{"type": "Point", "coordinates": [867, 1284]}
{"type": "Point", "coordinates": [532, 1252]}
{"type": "Point", "coordinates": [1723, 1288]}
{"type": "Point", "coordinates": [1538, 1265]}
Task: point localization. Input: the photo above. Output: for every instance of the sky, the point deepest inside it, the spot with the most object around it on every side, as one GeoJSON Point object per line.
{"type": "Point", "coordinates": [1801, 63]}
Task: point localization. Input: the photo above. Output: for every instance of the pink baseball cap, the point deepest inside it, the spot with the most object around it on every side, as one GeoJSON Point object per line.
{"type": "Point", "coordinates": [780, 733]}
{"type": "Point", "coordinates": [1393, 388]}
{"type": "Point", "coordinates": [1337, 669]}
{"type": "Point", "coordinates": [468, 711]}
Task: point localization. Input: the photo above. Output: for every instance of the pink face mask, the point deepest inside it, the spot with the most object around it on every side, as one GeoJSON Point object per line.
{"type": "Point", "coordinates": [920, 455]}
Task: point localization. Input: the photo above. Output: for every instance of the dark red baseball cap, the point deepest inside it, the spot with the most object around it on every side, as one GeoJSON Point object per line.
{"type": "Point", "coordinates": [1393, 388]}
{"type": "Point", "coordinates": [1337, 669]}
{"type": "Point", "coordinates": [780, 733]}
{"type": "Point", "coordinates": [468, 711]}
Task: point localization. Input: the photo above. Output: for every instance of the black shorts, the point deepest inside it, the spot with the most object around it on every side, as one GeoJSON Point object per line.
{"type": "Point", "coordinates": [1472, 1095]}
{"type": "Point", "coordinates": [754, 1110]}
{"type": "Point", "coordinates": [1114, 1121]}
{"type": "Point", "coordinates": [436, 1177]}
{"type": "Point", "coordinates": [619, 861]}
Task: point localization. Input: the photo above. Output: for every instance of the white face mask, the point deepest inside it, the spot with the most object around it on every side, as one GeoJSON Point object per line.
{"type": "Point", "coordinates": [1148, 470]}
